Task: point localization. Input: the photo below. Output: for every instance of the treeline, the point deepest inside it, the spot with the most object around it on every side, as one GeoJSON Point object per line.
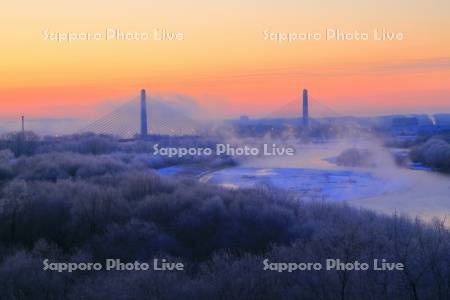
{"type": "Point", "coordinates": [355, 157]}
{"type": "Point", "coordinates": [85, 208]}
{"type": "Point", "coordinates": [434, 153]}
{"type": "Point", "coordinates": [279, 129]}
{"type": "Point", "coordinates": [89, 144]}
{"type": "Point", "coordinates": [70, 205]}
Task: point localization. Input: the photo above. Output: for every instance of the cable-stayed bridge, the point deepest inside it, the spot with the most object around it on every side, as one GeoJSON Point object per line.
{"type": "Point", "coordinates": [293, 109]}
{"type": "Point", "coordinates": [131, 118]}
{"type": "Point", "coordinates": [161, 119]}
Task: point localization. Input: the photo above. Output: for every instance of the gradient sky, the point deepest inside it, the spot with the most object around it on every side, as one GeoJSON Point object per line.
{"type": "Point", "coordinates": [224, 61]}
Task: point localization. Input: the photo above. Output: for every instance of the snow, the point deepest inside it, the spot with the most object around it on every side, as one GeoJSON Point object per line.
{"type": "Point", "coordinates": [333, 185]}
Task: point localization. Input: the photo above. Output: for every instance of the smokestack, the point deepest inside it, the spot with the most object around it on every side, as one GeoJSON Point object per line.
{"type": "Point", "coordinates": [305, 108]}
{"type": "Point", "coordinates": [23, 125]}
{"type": "Point", "coordinates": [144, 128]}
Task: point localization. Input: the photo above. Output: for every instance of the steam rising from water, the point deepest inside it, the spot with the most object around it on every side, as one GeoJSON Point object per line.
{"type": "Point", "coordinates": [423, 194]}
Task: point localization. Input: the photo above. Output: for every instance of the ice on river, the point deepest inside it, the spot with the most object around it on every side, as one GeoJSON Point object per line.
{"type": "Point", "coordinates": [310, 183]}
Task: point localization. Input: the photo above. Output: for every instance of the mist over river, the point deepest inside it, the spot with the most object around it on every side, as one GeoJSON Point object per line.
{"type": "Point", "coordinates": [312, 174]}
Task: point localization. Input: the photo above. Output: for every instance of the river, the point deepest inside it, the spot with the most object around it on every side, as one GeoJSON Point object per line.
{"type": "Point", "coordinates": [312, 175]}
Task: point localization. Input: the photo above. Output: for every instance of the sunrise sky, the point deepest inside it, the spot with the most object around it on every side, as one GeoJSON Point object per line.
{"type": "Point", "coordinates": [223, 60]}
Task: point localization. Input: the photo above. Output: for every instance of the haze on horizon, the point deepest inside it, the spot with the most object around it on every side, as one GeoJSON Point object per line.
{"type": "Point", "coordinates": [223, 62]}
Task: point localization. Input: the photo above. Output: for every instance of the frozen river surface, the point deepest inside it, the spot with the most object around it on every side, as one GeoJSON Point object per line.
{"type": "Point", "coordinates": [309, 183]}
{"type": "Point", "coordinates": [312, 175]}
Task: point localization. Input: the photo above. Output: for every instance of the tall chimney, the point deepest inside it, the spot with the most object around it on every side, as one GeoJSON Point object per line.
{"type": "Point", "coordinates": [144, 128]}
{"type": "Point", "coordinates": [23, 125]}
{"type": "Point", "coordinates": [305, 108]}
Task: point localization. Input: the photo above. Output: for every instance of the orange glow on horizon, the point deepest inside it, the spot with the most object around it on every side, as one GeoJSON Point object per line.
{"type": "Point", "coordinates": [224, 57]}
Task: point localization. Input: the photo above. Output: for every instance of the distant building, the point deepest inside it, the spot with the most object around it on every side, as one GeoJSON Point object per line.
{"type": "Point", "coordinates": [405, 126]}
{"type": "Point", "coordinates": [442, 119]}
{"type": "Point", "coordinates": [244, 119]}
{"type": "Point", "coordinates": [405, 122]}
